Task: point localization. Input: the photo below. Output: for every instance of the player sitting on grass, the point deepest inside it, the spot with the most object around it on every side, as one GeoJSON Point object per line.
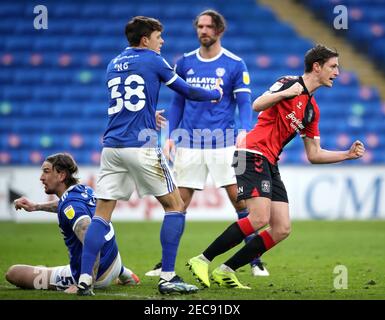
{"type": "Point", "coordinates": [75, 209]}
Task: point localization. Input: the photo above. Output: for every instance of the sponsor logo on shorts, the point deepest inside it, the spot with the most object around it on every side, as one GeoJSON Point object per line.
{"type": "Point", "coordinates": [240, 190]}
{"type": "Point", "coordinates": [265, 186]}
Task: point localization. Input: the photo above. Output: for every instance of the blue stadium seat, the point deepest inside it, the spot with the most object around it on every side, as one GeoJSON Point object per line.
{"type": "Point", "coordinates": [102, 44]}
{"type": "Point", "coordinates": [58, 77]}
{"type": "Point", "coordinates": [94, 10]}
{"type": "Point", "coordinates": [17, 43]}
{"type": "Point", "coordinates": [66, 10]}
{"type": "Point", "coordinates": [59, 26]}
{"type": "Point", "coordinates": [91, 126]}
{"type": "Point", "coordinates": [47, 93]}
{"type": "Point", "coordinates": [47, 43]}
{"type": "Point", "coordinates": [16, 93]}
{"type": "Point", "coordinates": [94, 110]}
{"type": "Point", "coordinates": [71, 109]}
{"type": "Point", "coordinates": [7, 25]}
{"type": "Point", "coordinates": [11, 9]}
{"type": "Point", "coordinates": [29, 126]}
{"type": "Point", "coordinates": [38, 110]}
{"type": "Point", "coordinates": [76, 44]}
{"type": "Point", "coordinates": [29, 76]}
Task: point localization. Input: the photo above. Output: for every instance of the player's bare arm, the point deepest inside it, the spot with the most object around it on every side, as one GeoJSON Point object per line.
{"type": "Point", "coordinates": [266, 101]}
{"type": "Point", "coordinates": [317, 155]}
{"type": "Point", "coordinates": [28, 205]}
{"type": "Point", "coordinates": [81, 228]}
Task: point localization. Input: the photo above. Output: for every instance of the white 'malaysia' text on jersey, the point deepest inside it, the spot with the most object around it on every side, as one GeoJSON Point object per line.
{"type": "Point", "coordinates": [206, 115]}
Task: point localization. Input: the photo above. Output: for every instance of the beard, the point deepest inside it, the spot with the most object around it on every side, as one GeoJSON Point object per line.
{"type": "Point", "coordinates": [207, 43]}
{"type": "Point", "coordinates": [49, 191]}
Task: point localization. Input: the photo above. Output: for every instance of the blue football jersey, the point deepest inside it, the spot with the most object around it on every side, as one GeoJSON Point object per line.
{"type": "Point", "coordinates": [79, 201]}
{"type": "Point", "coordinates": [133, 80]}
{"type": "Point", "coordinates": [209, 117]}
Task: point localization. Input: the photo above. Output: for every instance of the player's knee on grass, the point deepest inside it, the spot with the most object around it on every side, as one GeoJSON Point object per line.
{"type": "Point", "coordinates": [28, 277]}
{"type": "Point", "coordinates": [11, 274]}
{"type": "Point", "coordinates": [14, 276]}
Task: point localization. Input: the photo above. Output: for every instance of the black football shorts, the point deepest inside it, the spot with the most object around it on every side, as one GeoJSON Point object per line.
{"type": "Point", "coordinates": [257, 177]}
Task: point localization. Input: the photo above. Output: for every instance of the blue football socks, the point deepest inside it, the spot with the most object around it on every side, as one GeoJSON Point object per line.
{"type": "Point", "coordinates": [93, 243]}
{"type": "Point", "coordinates": [170, 234]}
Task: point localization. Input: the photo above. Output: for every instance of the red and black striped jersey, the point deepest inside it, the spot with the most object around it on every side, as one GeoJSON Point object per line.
{"type": "Point", "coordinates": [279, 124]}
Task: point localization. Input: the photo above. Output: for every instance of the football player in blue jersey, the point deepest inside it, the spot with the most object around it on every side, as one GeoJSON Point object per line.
{"type": "Point", "coordinates": [131, 158]}
{"type": "Point", "coordinates": [75, 209]}
{"type": "Point", "coordinates": [210, 127]}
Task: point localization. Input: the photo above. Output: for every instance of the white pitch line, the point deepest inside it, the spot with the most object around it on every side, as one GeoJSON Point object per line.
{"type": "Point", "coordinates": [125, 295]}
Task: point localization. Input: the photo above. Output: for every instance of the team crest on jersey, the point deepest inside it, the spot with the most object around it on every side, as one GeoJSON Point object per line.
{"type": "Point", "coordinates": [69, 212]}
{"type": "Point", "coordinates": [265, 186]}
{"type": "Point", "coordinates": [220, 72]}
{"type": "Point", "coordinates": [246, 78]}
{"type": "Point", "coordinates": [310, 115]}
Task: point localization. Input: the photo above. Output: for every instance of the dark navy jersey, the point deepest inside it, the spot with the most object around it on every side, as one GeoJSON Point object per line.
{"type": "Point", "coordinates": [78, 203]}
{"type": "Point", "coordinates": [133, 80]}
{"type": "Point", "coordinates": [206, 116]}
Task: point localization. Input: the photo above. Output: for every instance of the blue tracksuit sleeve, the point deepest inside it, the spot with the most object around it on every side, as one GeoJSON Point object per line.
{"type": "Point", "coordinates": [176, 111]}
{"type": "Point", "coordinates": [243, 100]}
{"type": "Point", "coordinates": [193, 93]}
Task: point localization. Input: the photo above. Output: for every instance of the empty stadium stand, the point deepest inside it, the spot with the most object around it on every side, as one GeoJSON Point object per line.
{"type": "Point", "coordinates": [53, 96]}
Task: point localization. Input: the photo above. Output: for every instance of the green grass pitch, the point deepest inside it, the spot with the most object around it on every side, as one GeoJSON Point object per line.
{"type": "Point", "coordinates": [300, 268]}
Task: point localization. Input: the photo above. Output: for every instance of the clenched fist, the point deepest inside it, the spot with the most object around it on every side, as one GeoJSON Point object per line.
{"type": "Point", "coordinates": [357, 150]}
{"type": "Point", "coordinates": [293, 91]}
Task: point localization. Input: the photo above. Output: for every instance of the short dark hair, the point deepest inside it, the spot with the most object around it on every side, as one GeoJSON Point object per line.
{"type": "Point", "coordinates": [64, 162]}
{"type": "Point", "coordinates": [139, 27]}
{"type": "Point", "coordinates": [218, 20]}
{"type": "Point", "coordinates": [319, 54]}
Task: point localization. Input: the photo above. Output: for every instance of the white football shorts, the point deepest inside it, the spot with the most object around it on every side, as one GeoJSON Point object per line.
{"type": "Point", "coordinates": [61, 277]}
{"type": "Point", "coordinates": [124, 169]}
{"type": "Point", "coordinates": [191, 167]}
